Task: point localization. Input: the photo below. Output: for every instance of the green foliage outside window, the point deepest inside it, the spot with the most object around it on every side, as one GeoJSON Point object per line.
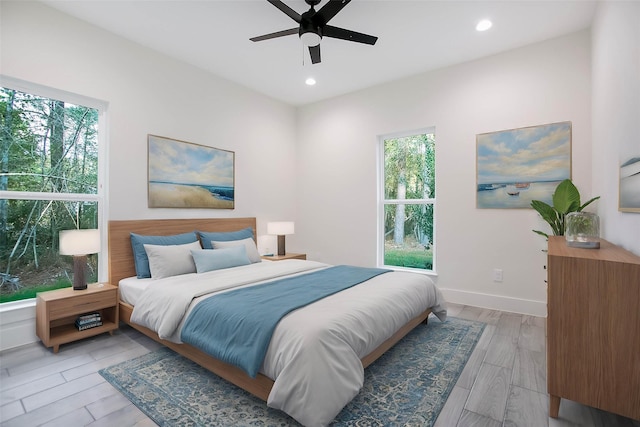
{"type": "Point", "coordinates": [47, 147]}
{"type": "Point", "coordinates": [409, 195]}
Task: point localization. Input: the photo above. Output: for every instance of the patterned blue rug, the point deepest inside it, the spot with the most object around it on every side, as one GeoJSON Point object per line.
{"type": "Point", "coordinates": [408, 385]}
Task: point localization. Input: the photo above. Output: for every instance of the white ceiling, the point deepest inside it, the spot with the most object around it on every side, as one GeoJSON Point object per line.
{"type": "Point", "coordinates": [414, 36]}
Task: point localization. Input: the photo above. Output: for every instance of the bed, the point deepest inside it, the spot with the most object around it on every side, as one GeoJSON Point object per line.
{"type": "Point", "coordinates": [277, 382]}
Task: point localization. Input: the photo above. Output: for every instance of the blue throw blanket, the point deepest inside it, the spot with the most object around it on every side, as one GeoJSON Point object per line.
{"type": "Point", "coordinates": [236, 326]}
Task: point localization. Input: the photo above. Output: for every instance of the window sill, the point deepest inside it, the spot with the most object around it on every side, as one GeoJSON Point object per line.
{"type": "Point", "coordinates": [17, 311]}
{"type": "Point", "coordinates": [410, 270]}
{"type": "Point", "coordinates": [17, 305]}
{"type": "Point", "coordinates": [17, 323]}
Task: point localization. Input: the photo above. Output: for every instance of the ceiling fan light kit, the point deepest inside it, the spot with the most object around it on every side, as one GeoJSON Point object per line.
{"type": "Point", "coordinates": [313, 26]}
{"type": "Point", "coordinates": [310, 39]}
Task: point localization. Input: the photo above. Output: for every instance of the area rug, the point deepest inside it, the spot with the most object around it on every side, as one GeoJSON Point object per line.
{"type": "Point", "coordinates": [407, 386]}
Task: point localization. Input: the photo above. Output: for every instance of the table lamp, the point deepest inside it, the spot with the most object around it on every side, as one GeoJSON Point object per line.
{"type": "Point", "coordinates": [280, 229]}
{"type": "Point", "coordinates": [79, 243]}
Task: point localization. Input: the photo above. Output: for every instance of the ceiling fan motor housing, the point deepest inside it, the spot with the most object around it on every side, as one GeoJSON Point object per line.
{"type": "Point", "coordinates": [309, 33]}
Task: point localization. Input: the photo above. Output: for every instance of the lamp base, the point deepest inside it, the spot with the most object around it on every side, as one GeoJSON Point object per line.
{"type": "Point", "coordinates": [281, 248]}
{"type": "Point", "coordinates": [79, 268]}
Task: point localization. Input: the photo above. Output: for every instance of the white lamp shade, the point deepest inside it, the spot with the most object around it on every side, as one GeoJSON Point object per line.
{"type": "Point", "coordinates": [79, 242]}
{"type": "Point", "coordinates": [280, 228]}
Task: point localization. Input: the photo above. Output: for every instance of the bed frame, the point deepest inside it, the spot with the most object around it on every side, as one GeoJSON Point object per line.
{"type": "Point", "coordinates": [121, 266]}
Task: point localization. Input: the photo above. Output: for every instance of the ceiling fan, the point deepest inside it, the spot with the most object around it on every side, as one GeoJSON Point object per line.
{"type": "Point", "coordinates": [313, 26]}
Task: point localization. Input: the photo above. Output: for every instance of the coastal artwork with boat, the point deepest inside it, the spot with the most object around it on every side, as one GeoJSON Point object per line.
{"type": "Point", "coordinates": [517, 166]}
{"type": "Point", "coordinates": [629, 199]}
{"type": "Point", "coordinates": [186, 175]}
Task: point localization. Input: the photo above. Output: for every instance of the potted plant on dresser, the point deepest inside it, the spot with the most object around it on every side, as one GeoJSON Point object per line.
{"type": "Point", "coordinates": [566, 199]}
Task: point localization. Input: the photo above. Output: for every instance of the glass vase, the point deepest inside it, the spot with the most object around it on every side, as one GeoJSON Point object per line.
{"type": "Point", "coordinates": [582, 230]}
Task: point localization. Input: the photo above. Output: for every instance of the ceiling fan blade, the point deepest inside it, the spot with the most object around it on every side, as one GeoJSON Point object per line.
{"type": "Point", "coordinates": [286, 9]}
{"type": "Point", "coordinates": [274, 35]}
{"type": "Point", "coordinates": [341, 33]}
{"type": "Point", "coordinates": [330, 9]}
{"type": "Point", "coordinates": [314, 51]}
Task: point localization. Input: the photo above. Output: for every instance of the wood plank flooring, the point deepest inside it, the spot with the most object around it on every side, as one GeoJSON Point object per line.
{"type": "Point", "coordinates": [503, 384]}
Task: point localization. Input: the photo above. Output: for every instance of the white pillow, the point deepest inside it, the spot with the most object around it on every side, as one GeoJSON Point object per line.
{"type": "Point", "coordinates": [249, 244]}
{"type": "Point", "coordinates": [171, 260]}
{"type": "Point", "coordinates": [208, 260]}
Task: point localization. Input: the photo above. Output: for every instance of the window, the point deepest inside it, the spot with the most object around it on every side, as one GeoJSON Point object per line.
{"type": "Point", "coordinates": [50, 180]}
{"type": "Point", "coordinates": [407, 200]}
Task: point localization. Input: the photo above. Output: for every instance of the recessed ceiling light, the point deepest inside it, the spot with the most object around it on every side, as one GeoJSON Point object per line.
{"type": "Point", "coordinates": [310, 81]}
{"type": "Point", "coordinates": [484, 25]}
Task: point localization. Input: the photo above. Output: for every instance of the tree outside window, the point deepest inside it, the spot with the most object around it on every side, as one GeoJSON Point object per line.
{"type": "Point", "coordinates": [48, 182]}
{"type": "Point", "coordinates": [408, 200]}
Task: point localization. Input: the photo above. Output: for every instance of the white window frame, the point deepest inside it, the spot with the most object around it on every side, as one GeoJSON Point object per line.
{"type": "Point", "coordinates": [382, 202]}
{"type": "Point", "coordinates": [101, 197]}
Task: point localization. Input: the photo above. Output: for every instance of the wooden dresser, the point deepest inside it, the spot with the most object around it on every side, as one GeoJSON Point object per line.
{"type": "Point", "coordinates": [593, 327]}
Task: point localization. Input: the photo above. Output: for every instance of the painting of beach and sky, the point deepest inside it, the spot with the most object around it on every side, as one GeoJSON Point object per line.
{"type": "Point", "coordinates": [186, 175]}
{"type": "Point", "coordinates": [517, 166]}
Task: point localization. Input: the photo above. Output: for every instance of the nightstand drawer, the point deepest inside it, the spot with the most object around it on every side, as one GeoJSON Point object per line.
{"type": "Point", "coordinates": [81, 304]}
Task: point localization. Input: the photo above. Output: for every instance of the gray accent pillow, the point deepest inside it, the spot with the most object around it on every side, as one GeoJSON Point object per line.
{"type": "Point", "coordinates": [171, 260]}
{"type": "Point", "coordinates": [248, 243]}
{"type": "Point", "coordinates": [140, 258]}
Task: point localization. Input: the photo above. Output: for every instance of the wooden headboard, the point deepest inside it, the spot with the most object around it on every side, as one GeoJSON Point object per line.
{"type": "Point", "coordinates": [121, 255]}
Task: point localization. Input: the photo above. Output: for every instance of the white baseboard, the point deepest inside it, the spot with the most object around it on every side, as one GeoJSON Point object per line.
{"type": "Point", "coordinates": [17, 324]}
{"type": "Point", "coordinates": [496, 302]}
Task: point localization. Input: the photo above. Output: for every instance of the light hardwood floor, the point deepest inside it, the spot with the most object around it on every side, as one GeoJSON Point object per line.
{"type": "Point", "coordinates": [503, 383]}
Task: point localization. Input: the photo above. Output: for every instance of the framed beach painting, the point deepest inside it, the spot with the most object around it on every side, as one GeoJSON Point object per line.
{"type": "Point", "coordinates": [186, 175]}
{"type": "Point", "coordinates": [629, 197]}
{"type": "Point", "coordinates": [517, 166]}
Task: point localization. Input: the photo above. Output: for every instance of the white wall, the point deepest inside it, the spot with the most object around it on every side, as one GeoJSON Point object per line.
{"type": "Point", "coordinates": [542, 83]}
{"type": "Point", "coordinates": [616, 113]}
{"type": "Point", "coordinates": [148, 93]}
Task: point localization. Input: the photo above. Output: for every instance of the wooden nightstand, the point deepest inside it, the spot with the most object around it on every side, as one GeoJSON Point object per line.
{"type": "Point", "coordinates": [57, 311]}
{"type": "Point", "coordinates": [285, 256]}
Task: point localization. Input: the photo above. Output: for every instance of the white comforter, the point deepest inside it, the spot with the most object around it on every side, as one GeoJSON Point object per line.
{"type": "Point", "coordinates": [314, 354]}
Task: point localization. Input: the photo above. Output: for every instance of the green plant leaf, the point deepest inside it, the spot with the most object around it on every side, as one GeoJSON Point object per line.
{"type": "Point", "coordinates": [541, 233]}
{"type": "Point", "coordinates": [541, 207]}
{"type": "Point", "coordinates": [546, 212]}
{"type": "Point", "coordinates": [566, 198]}
{"type": "Point", "coordinates": [549, 214]}
{"type": "Point", "coordinates": [587, 203]}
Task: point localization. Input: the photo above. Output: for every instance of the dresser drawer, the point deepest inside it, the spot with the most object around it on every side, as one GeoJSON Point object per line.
{"type": "Point", "coordinates": [81, 304]}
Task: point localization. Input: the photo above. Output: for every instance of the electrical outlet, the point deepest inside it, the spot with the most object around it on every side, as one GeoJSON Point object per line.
{"type": "Point", "coordinates": [497, 275]}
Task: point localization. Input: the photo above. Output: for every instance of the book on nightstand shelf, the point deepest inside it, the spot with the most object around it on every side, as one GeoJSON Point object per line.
{"type": "Point", "coordinates": [88, 321]}
{"type": "Point", "coordinates": [89, 325]}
